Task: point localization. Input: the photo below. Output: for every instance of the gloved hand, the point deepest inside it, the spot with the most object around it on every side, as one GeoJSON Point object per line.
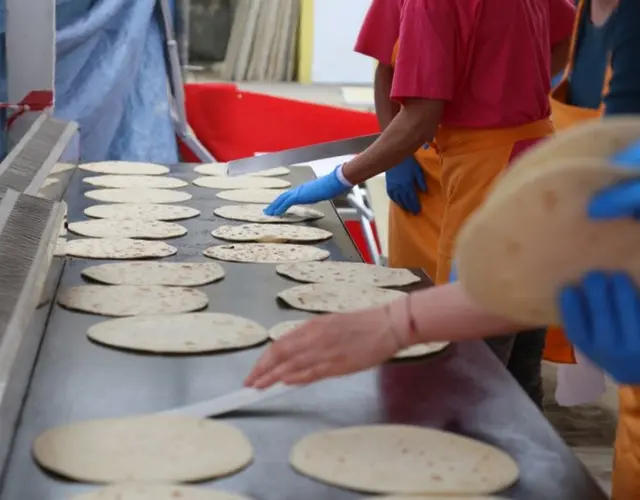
{"type": "Point", "coordinates": [321, 189]}
{"type": "Point", "coordinates": [403, 183]}
{"type": "Point", "coordinates": [601, 317]}
{"type": "Point", "coordinates": [621, 200]}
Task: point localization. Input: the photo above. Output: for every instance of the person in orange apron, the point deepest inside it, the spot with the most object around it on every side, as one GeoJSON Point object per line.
{"type": "Point", "coordinates": [413, 186]}
{"type": "Point", "coordinates": [472, 77]}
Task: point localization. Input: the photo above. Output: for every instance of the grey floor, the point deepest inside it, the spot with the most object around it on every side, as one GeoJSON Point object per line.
{"type": "Point", "coordinates": [588, 429]}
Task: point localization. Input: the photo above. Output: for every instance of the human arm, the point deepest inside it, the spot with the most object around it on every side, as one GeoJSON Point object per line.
{"type": "Point", "coordinates": [386, 108]}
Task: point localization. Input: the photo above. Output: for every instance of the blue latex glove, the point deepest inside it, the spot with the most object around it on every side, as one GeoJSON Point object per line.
{"type": "Point", "coordinates": [324, 188]}
{"type": "Point", "coordinates": [620, 200]}
{"type": "Point", "coordinates": [403, 183]}
{"type": "Point", "coordinates": [601, 317]}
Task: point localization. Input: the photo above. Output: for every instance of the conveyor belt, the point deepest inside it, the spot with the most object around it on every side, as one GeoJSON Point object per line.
{"type": "Point", "coordinates": [464, 389]}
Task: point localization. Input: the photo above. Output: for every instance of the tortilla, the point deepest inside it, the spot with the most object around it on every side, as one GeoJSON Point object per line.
{"type": "Point", "coordinates": [138, 195]}
{"type": "Point", "coordinates": [156, 491]}
{"type": "Point", "coordinates": [124, 168]}
{"type": "Point", "coordinates": [118, 248]}
{"type": "Point", "coordinates": [156, 273]}
{"type": "Point", "coordinates": [518, 251]}
{"type": "Point", "coordinates": [148, 211]}
{"type": "Point", "coordinates": [220, 170]}
{"type": "Point", "coordinates": [143, 448]}
{"type": "Point", "coordinates": [240, 182]}
{"type": "Point", "coordinates": [179, 333]}
{"type": "Point", "coordinates": [58, 168]}
{"type": "Point", "coordinates": [355, 273]}
{"type": "Point", "coordinates": [403, 459]}
{"type": "Point", "coordinates": [127, 228]}
{"type": "Point", "coordinates": [128, 300]}
{"type": "Point", "coordinates": [251, 195]}
{"type": "Point", "coordinates": [271, 233]}
{"type": "Point", "coordinates": [340, 298]}
{"type": "Point", "coordinates": [266, 253]}
{"type": "Point", "coordinates": [281, 329]}
{"type": "Point", "coordinates": [255, 213]}
{"type": "Point", "coordinates": [135, 181]}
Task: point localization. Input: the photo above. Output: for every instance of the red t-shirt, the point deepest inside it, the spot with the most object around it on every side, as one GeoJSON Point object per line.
{"type": "Point", "coordinates": [489, 59]}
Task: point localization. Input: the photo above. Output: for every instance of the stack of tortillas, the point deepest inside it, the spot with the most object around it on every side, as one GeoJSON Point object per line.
{"type": "Point", "coordinates": [266, 253]}
{"type": "Point", "coordinates": [271, 233]}
{"type": "Point", "coordinates": [281, 329]}
{"type": "Point", "coordinates": [255, 213]}
{"type": "Point", "coordinates": [355, 273]}
{"type": "Point", "coordinates": [145, 449]}
{"type": "Point", "coordinates": [401, 459]}
{"type": "Point", "coordinates": [157, 491]}
{"type": "Point", "coordinates": [220, 170]}
{"type": "Point", "coordinates": [533, 236]}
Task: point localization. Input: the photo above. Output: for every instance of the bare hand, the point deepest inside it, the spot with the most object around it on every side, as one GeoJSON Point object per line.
{"type": "Point", "coordinates": [327, 346]}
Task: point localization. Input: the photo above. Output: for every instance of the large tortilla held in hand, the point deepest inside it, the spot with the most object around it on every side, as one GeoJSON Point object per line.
{"type": "Point", "coordinates": [155, 273]}
{"type": "Point", "coordinates": [517, 252]}
{"type": "Point", "coordinates": [138, 195]}
{"type": "Point", "coordinates": [251, 195]}
{"type": "Point", "coordinates": [147, 448]}
{"type": "Point", "coordinates": [281, 329]}
{"type": "Point", "coordinates": [129, 300]}
{"type": "Point", "coordinates": [156, 491]}
{"type": "Point", "coordinates": [266, 253]}
{"type": "Point", "coordinates": [355, 273]}
{"type": "Point", "coordinates": [127, 228]}
{"type": "Point", "coordinates": [118, 248]}
{"type": "Point", "coordinates": [220, 170]}
{"type": "Point", "coordinates": [147, 211]}
{"type": "Point", "coordinates": [179, 333]}
{"type": "Point", "coordinates": [255, 213]}
{"type": "Point", "coordinates": [340, 298]}
{"type": "Point", "coordinates": [271, 233]}
{"type": "Point", "coordinates": [124, 168]}
{"type": "Point", "coordinates": [241, 182]}
{"type": "Point", "coordinates": [403, 459]}
{"type": "Point", "coordinates": [135, 181]}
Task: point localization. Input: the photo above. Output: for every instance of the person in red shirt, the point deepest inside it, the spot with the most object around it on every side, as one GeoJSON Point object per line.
{"type": "Point", "coordinates": [472, 78]}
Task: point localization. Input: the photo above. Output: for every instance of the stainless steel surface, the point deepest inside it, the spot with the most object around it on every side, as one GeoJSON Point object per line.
{"type": "Point", "coordinates": [296, 156]}
{"type": "Point", "coordinates": [464, 389]}
{"type": "Point", "coordinates": [228, 403]}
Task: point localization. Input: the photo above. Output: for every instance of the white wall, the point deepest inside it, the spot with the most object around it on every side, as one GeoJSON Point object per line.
{"type": "Point", "coordinates": [336, 27]}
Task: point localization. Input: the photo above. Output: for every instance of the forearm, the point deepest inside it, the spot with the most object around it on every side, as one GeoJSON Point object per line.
{"type": "Point", "coordinates": [408, 131]}
{"type": "Point", "coordinates": [560, 56]}
{"type": "Point", "coordinates": [445, 313]}
{"type": "Point", "coordinates": [386, 109]}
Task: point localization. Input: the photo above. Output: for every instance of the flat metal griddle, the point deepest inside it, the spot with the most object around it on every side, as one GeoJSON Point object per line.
{"type": "Point", "coordinates": [464, 389]}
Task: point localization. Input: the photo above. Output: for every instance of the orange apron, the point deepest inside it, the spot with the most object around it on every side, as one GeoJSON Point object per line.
{"type": "Point", "coordinates": [557, 348]}
{"type": "Point", "coordinates": [413, 239]}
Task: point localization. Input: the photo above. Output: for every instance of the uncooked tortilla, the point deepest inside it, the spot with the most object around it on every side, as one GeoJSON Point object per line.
{"type": "Point", "coordinates": [156, 273]}
{"type": "Point", "coordinates": [402, 459]}
{"type": "Point", "coordinates": [128, 300]}
{"type": "Point", "coordinates": [124, 168]}
{"type": "Point", "coordinates": [138, 195]}
{"type": "Point", "coordinates": [157, 491]}
{"type": "Point", "coordinates": [118, 248]}
{"type": "Point", "coordinates": [148, 211]}
{"type": "Point", "coordinates": [340, 298]}
{"type": "Point", "coordinates": [251, 195]}
{"type": "Point", "coordinates": [58, 168]}
{"type": "Point", "coordinates": [355, 273]}
{"type": "Point", "coordinates": [271, 233]}
{"type": "Point", "coordinates": [145, 449]}
{"type": "Point", "coordinates": [220, 170]}
{"type": "Point", "coordinates": [255, 213]}
{"type": "Point", "coordinates": [266, 253]}
{"type": "Point", "coordinates": [127, 228]}
{"type": "Point", "coordinates": [179, 333]}
{"type": "Point", "coordinates": [240, 182]}
{"type": "Point", "coordinates": [135, 181]}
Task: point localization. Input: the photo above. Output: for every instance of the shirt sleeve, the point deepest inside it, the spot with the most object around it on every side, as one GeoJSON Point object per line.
{"type": "Point", "coordinates": [563, 15]}
{"type": "Point", "coordinates": [380, 29]}
{"type": "Point", "coordinates": [624, 88]}
{"type": "Point", "coordinates": [427, 55]}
